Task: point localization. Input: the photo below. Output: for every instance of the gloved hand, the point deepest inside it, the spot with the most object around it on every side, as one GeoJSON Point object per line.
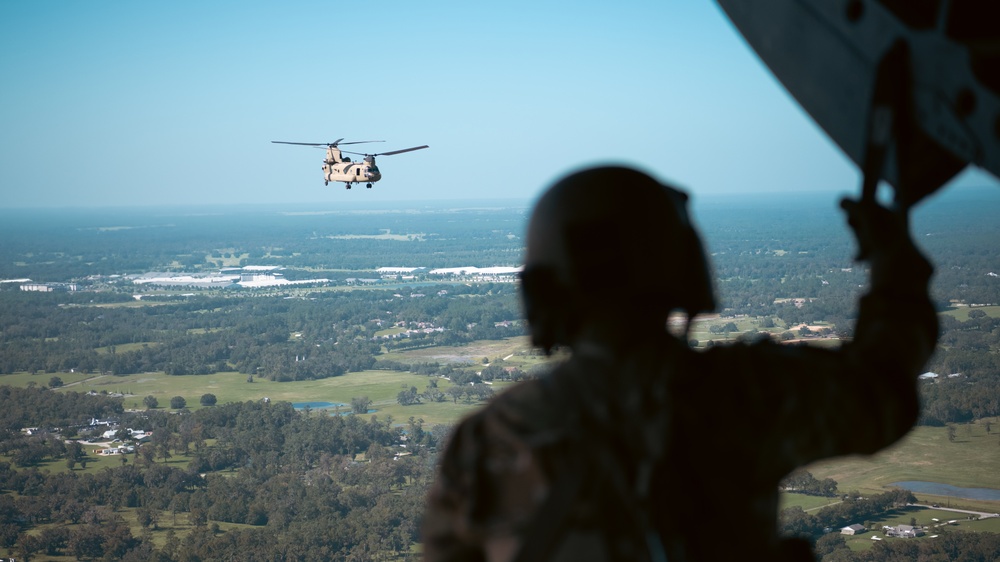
{"type": "Point", "coordinates": [884, 242]}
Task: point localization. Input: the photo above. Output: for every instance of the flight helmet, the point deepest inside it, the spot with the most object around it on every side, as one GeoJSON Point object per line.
{"type": "Point", "coordinates": [611, 243]}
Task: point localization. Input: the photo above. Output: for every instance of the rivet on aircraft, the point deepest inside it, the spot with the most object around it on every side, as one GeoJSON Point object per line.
{"type": "Point", "coordinates": [337, 167]}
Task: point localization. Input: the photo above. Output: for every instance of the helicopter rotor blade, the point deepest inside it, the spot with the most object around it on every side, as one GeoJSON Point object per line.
{"type": "Point", "coordinates": [402, 151]}
{"type": "Point", "coordinates": [327, 144]}
{"type": "Point", "coordinates": [386, 153]}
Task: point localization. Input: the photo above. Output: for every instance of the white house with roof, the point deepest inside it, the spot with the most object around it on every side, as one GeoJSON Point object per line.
{"type": "Point", "coordinates": [854, 529]}
{"type": "Point", "coordinates": [904, 531]}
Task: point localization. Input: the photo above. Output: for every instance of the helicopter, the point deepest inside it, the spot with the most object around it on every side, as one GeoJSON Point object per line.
{"type": "Point", "coordinates": [337, 167]}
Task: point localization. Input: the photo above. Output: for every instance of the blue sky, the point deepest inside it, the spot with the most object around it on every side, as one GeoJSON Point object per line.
{"type": "Point", "coordinates": [151, 103]}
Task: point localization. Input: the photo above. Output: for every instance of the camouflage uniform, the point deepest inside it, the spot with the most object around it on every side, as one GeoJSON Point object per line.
{"type": "Point", "coordinates": [659, 442]}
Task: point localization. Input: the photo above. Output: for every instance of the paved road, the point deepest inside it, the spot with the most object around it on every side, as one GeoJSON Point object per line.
{"type": "Point", "coordinates": [981, 514]}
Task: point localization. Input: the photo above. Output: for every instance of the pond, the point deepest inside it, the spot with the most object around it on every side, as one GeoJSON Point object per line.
{"type": "Point", "coordinates": [345, 409]}
{"type": "Point", "coordinates": [319, 405]}
{"type": "Point", "coordinates": [934, 488]}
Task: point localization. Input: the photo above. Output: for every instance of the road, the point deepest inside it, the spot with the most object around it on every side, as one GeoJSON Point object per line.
{"type": "Point", "coordinates": [981, 514]}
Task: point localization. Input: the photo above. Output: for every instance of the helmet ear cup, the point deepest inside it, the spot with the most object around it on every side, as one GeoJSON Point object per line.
{"type": "Point", "coordinates": [695, 294]}
{"type": "Point", "coordinates": [547, 306]}
{"type": "Point", "coordinates": [690, 287]}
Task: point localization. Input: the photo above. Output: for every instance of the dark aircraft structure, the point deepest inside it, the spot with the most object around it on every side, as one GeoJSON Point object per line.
{"type": "Point", "coordinates": [908, 89]}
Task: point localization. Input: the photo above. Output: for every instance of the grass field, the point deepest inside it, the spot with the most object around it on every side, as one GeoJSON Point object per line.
{"type": "Point", "coordinates": [962, 312]}
{"type": "Point", "coordinates": [381, 387]}
{"type": "Point", "coordinates": [514, 351]}
{"type": "Point", "coordinates": [925, 454]}
{"type": "Point", "coordinates": [807, 503]}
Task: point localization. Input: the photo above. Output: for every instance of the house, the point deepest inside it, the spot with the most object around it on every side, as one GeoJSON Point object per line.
{"type": "Point", "coordinates": [904, 531]}
{"type": "Point", "coordinates": [854, 529]}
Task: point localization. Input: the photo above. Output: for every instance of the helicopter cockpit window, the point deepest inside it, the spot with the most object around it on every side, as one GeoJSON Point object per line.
{"type": "Point", "coordinates": [374, 169]}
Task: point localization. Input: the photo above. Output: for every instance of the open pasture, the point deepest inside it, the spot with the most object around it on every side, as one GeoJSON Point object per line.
{"type": "Point", "coordinates": [382, 387]}
{"type": "Point", "coordinates": [962, 312]}
{"type": "Point", "coordinates": [806, 502]}
{"type": "Point", "coordinates": [515, 352]}
{"type": "Point", "coordinates": [927, 455]}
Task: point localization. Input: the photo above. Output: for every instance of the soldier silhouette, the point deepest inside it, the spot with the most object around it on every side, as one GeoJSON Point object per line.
{"type": "Point", "coordinates": [639, 447]}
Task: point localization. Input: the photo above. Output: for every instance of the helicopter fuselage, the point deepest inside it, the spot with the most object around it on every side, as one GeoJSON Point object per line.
{"type": "Point", "coordinates": [338, 168]}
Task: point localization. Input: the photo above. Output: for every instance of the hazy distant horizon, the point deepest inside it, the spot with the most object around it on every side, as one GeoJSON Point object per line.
{"type": "Point", "coordinates": [703, 204]}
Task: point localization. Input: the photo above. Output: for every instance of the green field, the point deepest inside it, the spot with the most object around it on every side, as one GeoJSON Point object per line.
{"type": "Point", "coordinates": [807, 503]}
{"type": "Point", "coordinates": [925, 454]}
{"type": "Point", "coordinates": [381, 387]}
{"type": "Point", "coordinates": [962, 312]}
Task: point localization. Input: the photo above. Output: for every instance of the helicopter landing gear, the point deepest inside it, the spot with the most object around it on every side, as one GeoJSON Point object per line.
{"type": "Point", "coordinates": [369, 186]}
{"type": "Point", "coordinates": [326, 183]}
{"type": "Point", "coordinates": [347, 185]}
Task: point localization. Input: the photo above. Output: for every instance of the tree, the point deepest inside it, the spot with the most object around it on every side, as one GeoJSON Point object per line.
{"type": "Point", "coordinates": [208, 400]}
{"type": "Point", "coordinates": [830, 543]}
{"type": "Point", "coordinates": [150, 402]}
{"type": "Point", "coordinates": [27, 546]}
{"type": "Point", "coordinates": [53, 540]}
{"type": "Point", "coordinates": [198, 517]}
{"type": "Point", "coordinates": [407, 397]}
{"type": "Point", "coordinates": [455, 392]}
{"type": "Point", "coordinates": [359, 405]}
{"type": "Point", "coordinates": [55, 382]}
{"type": "Point", "coordinates": [951, 433]}
{"type": "Point", "coordinates": [178, 402]}
{"type": "Point", "coordinates": [87, 543]}
{"type": "Point", "coordinates": [147, 516]}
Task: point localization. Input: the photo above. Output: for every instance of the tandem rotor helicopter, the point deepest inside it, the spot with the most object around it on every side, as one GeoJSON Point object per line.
{"type": "Point", "coordinates": [337, 167]}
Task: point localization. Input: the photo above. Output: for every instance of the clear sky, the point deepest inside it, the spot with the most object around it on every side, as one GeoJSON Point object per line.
{"type": "Point", "coordinates": [149, 103]}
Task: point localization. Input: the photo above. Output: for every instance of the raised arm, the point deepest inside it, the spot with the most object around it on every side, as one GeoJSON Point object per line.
{"type": "Point", "coordinates": [814, 403]}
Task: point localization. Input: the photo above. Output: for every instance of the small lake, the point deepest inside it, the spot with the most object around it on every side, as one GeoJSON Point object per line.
{"type": "Point", "coordinates": [319, 405]}
{"type": "Point", "coordinates": [916, 486]}
{"type": "Point", "coordinates": [345, 409]}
